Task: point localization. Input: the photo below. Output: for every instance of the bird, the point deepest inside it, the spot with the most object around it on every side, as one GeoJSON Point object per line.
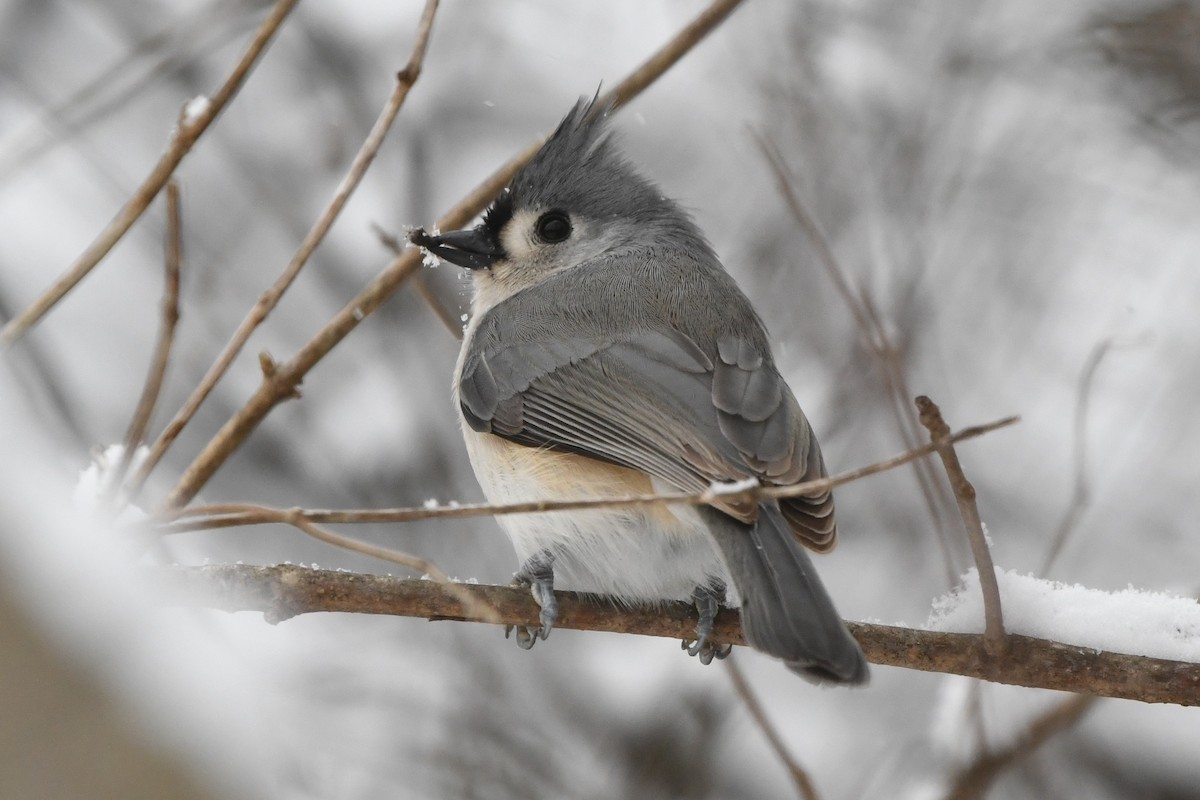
{"type": "Point", "coordinates": [609, 353]}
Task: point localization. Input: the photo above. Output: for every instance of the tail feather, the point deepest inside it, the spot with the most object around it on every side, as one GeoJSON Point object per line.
{"type": "Point", "coordinates": [786, 611]}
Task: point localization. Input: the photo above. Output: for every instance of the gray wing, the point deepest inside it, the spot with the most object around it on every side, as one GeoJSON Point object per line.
{"type": "Point", "coordinates": [656, 402]}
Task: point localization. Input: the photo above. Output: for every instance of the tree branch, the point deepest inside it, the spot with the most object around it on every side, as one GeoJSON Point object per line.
{"type": "Point", "coordinates": [1081, 494]}
{"type": "Point", "coordinates": [443, 314]}
{"type": "Point", "coordinates": [666, 57]}
{"type": "Point", "coordinates": [228, 515]}
{"type": "Point", "coordinates": [800, 778]}
{"type": "Point", "coordinates": [187, 132]}
{"type": "Point", "coordinates": [974, 780]}
{"type": "Point", "coordinates": [471, 604]}
{"type": "Point", "coordinates": [876, 337]}
{"type": "Point", "coordinates": [405, 79]}
{"type": "Point", "coordinates": [162, 350]}
{"type": "Point", "coordinates": [286, 591]}
{"type": "Point", "coordinates": [282, 383]}
{"type": "Point", "coordinates": [964, 492]}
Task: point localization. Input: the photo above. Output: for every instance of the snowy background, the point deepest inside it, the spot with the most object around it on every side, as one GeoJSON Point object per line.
{"type": "Point", "coordinates": [1013, 186]}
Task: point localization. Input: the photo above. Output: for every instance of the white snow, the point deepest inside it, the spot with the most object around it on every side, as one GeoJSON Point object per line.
{"type": "Point", "coordinates": [430, 503]}
{"type": "Point", "coordinates": [195, 108]}
{"type": "Point", "coordinates": [1129, 621]}
{"type": "Point", "coordinates": [90, 494]}
{"type": "Point", "coordinates": [719, 488]}
{"type": "Point", "coordinates": [429, 260]}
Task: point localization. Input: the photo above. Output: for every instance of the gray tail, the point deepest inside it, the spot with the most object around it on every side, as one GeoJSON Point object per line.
{"type": "Point", "coordinates": [786, 612]}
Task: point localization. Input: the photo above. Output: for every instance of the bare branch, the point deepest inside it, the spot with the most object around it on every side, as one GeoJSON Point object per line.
{"type": "Point", "coordinates": [825, 256]}
{"type": "Point", "coordinates": [284, 591]}
{"type": "Point", "coordinates": [189, 129]}
{"type": "Point", "coordinates": [964, 492]}
{"type": "Point", "coordinates": [804, 784]}
{"type": "Point", "coordinates": [973, 782]}
{"type": "Point", "coordinates": [226, 515]}
{"type": "Point", "coordinates": [875, 338]}
{"type": "Point", "coordinates": [166, 338]}
{"type": "Point", "coordinates": [680, 45]}
{"type": "Point", "coordinates": [289, 374]}
{"type": "Point", "coordinates": [1080, 491]}
{"type": "Point", "coordinates": [443, 314]}
{"type": "Point", "coordinates": [887, 353]}
{"type": "Point", "coordinates": [270, 298]}
{"type": "Point", "coordinates": [473, 605]}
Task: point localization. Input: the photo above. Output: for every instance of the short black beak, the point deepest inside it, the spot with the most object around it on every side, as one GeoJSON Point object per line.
{"type": "Point", "coordinates": [473, 249]}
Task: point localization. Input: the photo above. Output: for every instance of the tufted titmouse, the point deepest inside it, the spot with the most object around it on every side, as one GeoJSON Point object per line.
{"type": "Point", "coordinates": [609, 353]}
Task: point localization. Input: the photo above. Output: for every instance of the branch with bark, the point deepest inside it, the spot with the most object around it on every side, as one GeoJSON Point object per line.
{"type": "Point", "coordinates": [188, 130]}
{"type": "Point", "coordinates": [281, 381]}
{"type": "Point", "coordinates": [282, 592]}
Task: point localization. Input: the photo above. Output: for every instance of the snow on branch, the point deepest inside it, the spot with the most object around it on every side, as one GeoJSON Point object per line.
{"type": "Point", "coordinates": [1127, 621]}
{"type": "Point", "coordinates": [281, 592]}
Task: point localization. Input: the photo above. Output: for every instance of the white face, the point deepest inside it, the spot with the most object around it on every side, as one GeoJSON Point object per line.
{"type": "Point", "coordinates": [539, 243]}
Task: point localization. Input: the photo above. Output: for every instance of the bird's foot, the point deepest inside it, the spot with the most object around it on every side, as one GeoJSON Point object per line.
{"type": "Point", "coordinates": [708, 601]}
{"type": "Point", "coordinates": [538, 574]}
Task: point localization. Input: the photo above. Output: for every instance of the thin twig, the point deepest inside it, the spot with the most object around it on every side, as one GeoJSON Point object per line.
{"type": "Point", "coordinates": [1030, 662]}
{"type": "Point", "coordinates": [973, 782]}
{"type": "Point", "coordinates": [270, 298]}
{"type": "Point", "coordinates": [288, 375]}
{"type": "Point", "coordinates": [444, 315]}
{"type": "Point", "coordinates": [227, 515]}
{"type": "Point", "coordinates": [825, 256]}
{"type": "Point", "coordinates": [166, 51]}
{"type": "Point", "coordinates": [874, 336]}
{"type": "Point", "coordinates": [166, 338]}
{"type": "Point", "coordinates": [188, 130]}
{"type": "Point", "coordinates": [932, 491]}
{"type": "Point", "coordinates": [973, 711]}
{"type": "Point", "coordinates": [804, 784]}
{"type": "Point", "coordinates": [964, 492]}
{"type": "Point", "coordinates": [477, 607]}
{"type": "Point", "coordinates": [680, 45]}
{"type": "Point", "coordinates": [1080, 491]}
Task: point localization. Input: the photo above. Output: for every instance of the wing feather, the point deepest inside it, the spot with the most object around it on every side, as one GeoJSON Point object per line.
{"type": "Point", "coordinates": [719, 416]}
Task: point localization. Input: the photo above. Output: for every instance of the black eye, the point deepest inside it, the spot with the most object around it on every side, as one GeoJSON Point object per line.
{"type": "Point", "coordinates": [553, 226]}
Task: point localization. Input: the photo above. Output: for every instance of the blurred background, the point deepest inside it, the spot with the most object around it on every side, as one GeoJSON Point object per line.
{"type": "Point", "coordinates": [1006, 194]}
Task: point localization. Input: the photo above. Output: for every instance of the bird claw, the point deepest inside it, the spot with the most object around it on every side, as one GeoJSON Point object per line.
{"type": "Point", "coordinates": [707, 600]}
{"type": "Point", "coordinates": [526, 636]}
{"type": "Point", "coordinates": [706, 651]}
{"type": "Point", "coordinates": [538, 574]}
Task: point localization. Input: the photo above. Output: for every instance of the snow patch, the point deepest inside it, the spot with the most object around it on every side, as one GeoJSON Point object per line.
{"type": "Point", "coordinates": [195, 108]}
{"type": "Point", "coordinates": [1129, 621]}
{"type": "Point", "coordinates": [429, 259]}
{"type": "Point", "coordinates": [92, 493]}
{"type": "Point", "coordinates": [719, 488]}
